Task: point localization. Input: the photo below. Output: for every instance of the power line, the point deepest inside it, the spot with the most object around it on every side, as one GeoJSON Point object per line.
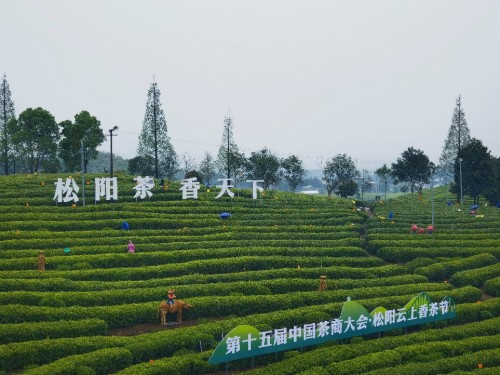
{"type": "Point", "coordinates": [306, 157]}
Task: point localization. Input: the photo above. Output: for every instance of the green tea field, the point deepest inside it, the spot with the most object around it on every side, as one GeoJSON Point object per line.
{"type": "Point", "coordinates": [94, 310]}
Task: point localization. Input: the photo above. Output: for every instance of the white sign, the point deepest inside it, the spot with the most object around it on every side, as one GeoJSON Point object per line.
{"type": "Point", "coordinates": [67, 191]}
{"type": "Point", "coordinates": [106, 187]}
{"type": "Point", "coordinates": [190, 187]}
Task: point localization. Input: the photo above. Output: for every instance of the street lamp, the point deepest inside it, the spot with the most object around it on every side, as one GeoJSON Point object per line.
{"type": "Point", "coordinates": [111, 153]}
{"type": "Point", "coordinates": [432, 198]}
{"type": "Point", "coordinates": [461, 191]}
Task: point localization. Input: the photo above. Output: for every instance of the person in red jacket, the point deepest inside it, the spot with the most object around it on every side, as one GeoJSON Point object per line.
{"type": "Point", "coordinates": [171, 297]}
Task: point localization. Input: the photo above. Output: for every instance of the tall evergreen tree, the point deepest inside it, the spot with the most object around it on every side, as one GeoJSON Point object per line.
{"type": "Point", "coordinates": [7, 113]}
{"type": "Point", "coordinates": [170, 165]}
{"type": "Point", "coordinates": [229, 158]}
{"type": "Point", "coordinates": [153, 140]}
{"type": "Point", "coordinates": [207, 168]}
{"type": "Point", "coordinates": [458, 137]}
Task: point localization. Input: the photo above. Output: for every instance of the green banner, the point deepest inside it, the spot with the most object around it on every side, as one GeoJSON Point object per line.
{"type": "Point", "coordinates": [246, 341]}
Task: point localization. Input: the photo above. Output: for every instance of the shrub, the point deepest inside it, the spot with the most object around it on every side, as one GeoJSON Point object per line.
{"type": "Point", "coordinates": [43, 330]}
{"type": "Point", "coordinates": [419, 262]}
{"type": "Point", "coordinates": [52, 301]}
{"type": "Point", "coordinates": [476, 277]}
{"type": "Point", "coordinates": [102, 361]}
{"type": "Point", "coordinates": [492, 287]}
{"type": "Point", "coordinates": [443, 270]}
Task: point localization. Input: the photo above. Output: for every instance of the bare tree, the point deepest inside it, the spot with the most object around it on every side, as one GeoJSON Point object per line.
{"type": "Point", "coordinates": [384, 173]}
{"type": "Point", "coordinates": [188, 162]}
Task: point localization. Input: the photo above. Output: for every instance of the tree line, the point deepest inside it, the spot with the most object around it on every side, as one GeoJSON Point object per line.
{"type": "Point", "coordinates": [35, 142]}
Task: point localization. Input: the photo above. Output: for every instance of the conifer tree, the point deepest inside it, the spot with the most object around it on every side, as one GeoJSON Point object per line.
{"type": "Point", "coordinates": [229, 158]}
{"type": "Point", "coordinates": [153, 140]}
{"type": "Point", "coordinates": [7, 113]}
{"type": "Point", "coordinates": [458, 137]}
{"type": "Point", "coordinates": [207, 168]}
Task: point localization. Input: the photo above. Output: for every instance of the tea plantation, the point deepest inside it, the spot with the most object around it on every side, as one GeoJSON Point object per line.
{"type": "Point", "coordinates": [94, 310]}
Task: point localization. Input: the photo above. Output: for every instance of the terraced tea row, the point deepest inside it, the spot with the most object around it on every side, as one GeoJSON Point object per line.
{"type": "Point", "coordinates": [260, 267]}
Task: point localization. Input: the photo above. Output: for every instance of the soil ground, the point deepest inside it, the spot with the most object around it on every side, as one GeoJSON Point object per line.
{"type": "Point", "coordinates": [147, 328]}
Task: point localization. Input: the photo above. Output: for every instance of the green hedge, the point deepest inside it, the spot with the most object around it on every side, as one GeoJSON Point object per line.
{"type": "Point", "coordinates": [237, 265]}
{"type": "Point", "coordinates": [102, 240]}
{"type": "Point", "coordinates": [277, 281]}
{"type": "Point", "coordinates": [366, 362]}
{"type": "Point", "coordinates": [477, 276]}
{"type": "Point", "coordinates": [174, 223]}
{"type": "Point", "coordinates": [122, 315]}
{"type": "Point", "coordinates": [457, 235]}
{"type": "Point", "coordinates": [189, 244]}
{"type": "Point", "coordinates": [410, 359]}
{"type": "Point", "coordinates": [406, 254]}
{"type": "Point", "coordinates": [180, 263]}
{"type": "Point", "coordinates": [102, 361]}
{"type": "Point", "coordinates": [314, 371]}
{"type": "Point", "coordinates": [20, 355]}
{"type": "Point", "coordinates": [495, 370]}
{"type": "Point", "coordinates": [472, 312]}
{"type": "Point", "coordinates": [427, 241]}
{"type": "Point", "coordinates": [492, 287]}
{"type": "Point", "coordinates": [187, 364]}
{"type": "Point", "coordinates": [464, 361]}
{"type": "Point", "coordinates": [283, 292]}
{"type": "Point", "coordinates": [443, 270]}
{"type": "Point", "coordinates": [45, 330]}
{"type": "Point", "coordinates": [155, 345]}
{"type": "Point", "coordinates": [88, 237]}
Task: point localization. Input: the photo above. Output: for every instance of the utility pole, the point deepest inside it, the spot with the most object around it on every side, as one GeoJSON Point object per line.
{"type": "Point", "coordinates": [156, 129]}
{"type": "Point", "coordinates": [228, 169]}
{"type": "Point", "coordinates": [83, 176]}
{"type": "Point", "coordinates": [4, 140]}
{"type": "Point", "coordinates": [461, 189]}
{"type": "Point", "coordinates": [111, 151]}
{"type": "Point", "coordinates": [432, 199]}
{"type": "Point", "coordinates": [460, 144]}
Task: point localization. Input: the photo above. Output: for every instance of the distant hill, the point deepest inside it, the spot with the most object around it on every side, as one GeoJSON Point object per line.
{"type": "Point", "coordinates": [101, 164]}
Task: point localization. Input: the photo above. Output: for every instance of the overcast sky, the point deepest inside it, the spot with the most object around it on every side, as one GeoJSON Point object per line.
{"type": "Point", "coordinates": [310, 78]}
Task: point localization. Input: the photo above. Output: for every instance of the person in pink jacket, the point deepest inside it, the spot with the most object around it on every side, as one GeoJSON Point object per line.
{"type": "Point", "coordinates": [131, 247]}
